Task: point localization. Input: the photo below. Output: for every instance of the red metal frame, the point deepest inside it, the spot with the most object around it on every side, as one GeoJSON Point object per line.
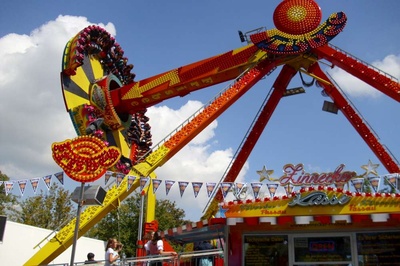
{"type": "Point", "coordinates": [103, 84]}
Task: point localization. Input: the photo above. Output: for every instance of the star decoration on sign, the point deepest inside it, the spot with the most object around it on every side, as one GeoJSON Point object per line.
{"type": "Point", "coordinates": [370, 168]}
{"type": "Point", "coordinates": [221, 212]}
{"type": "Point", "coordinates": [265, 174]}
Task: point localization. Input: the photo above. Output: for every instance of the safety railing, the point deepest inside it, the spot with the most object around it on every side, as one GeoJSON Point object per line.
{"type": "Point", "coordinates": [212, 257]}
{"type": "Point", "coordinates": [358, 60]}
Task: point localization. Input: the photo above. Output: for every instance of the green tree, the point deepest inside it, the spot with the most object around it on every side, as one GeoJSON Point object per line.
{"type": "Point", "coordinates": [123, 223]}
{"type": "Point", "coordinates": [7, 202]}
{"type": "Point", "coordinates": [168, 215]}
{"type": "Point", "coordinates": [48, 210]}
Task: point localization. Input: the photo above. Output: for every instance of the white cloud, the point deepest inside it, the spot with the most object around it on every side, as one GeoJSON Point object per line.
{"type": "Point", "coordinates": [390, 64]}
{"type": "Point", "coordinates": [31, 106]}
{"type": "Point", "coordinates": [196, 162]}
{"type": "Point", "coordinates": [166, 121]}
{"type": "Point", "coordinates": [33, 115]}
{"type": "Point", "coordinates": [357, 88]}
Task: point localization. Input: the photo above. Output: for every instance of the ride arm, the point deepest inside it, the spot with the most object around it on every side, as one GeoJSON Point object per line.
{"type": "Point", "coordinates": [202, 119]}
{"type": "Point", "coordinates": [93, 214]}
{"type": "Point", "coordinates": [184, 80]}
{"type": "Point", "coordinates": [255, 132]}
{"type": "Point", "coordinates": [356, 67]}
{"type": "Point", "coordinates": [359, 124]}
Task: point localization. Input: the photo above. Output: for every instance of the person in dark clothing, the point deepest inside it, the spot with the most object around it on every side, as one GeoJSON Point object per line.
{"type": "Point", "coordinates": [204, 261]}
{"type": "Point", "coordinates": [90, 259]}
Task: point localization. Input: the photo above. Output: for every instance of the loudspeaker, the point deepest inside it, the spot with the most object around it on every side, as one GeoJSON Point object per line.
{"type": "Point", "coordinates": [3, 220]}
{"type": "Point", "coordinates": [92, 195]}
{"type": "Point", "coordinates": [330, 107]}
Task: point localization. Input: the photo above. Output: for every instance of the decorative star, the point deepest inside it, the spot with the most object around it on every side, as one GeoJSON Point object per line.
{"type": "Point", "coordinates": [370, 168]}
{"type": "Point", "coordinates": [221, 212]}
{"type": "Point", "coordinates": [265, 174]}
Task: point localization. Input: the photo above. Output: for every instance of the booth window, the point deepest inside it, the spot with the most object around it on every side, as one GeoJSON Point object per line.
{"type": "Point", "coordinates": [378, 248]}
{"type": "Point", "coordinates": [268, 250]}
{"type": "Point", "coordinates": [321, 249]}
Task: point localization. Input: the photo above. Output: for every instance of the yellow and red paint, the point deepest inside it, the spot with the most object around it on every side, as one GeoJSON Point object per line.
{"type": "Point", "coordinates": [107, 84]}
{"type": "Point", "coordinates": [85, 158]}
{"type": "Point", "coordinates": [298, 28]}
{"type": "Point", "coordinates": [81, 69]}
{"type": "Point", "coordinates": [186, 79]}
{"type": "Point", "coordinates": [297, 17]}
{"type": "Point", "coordinates": [99, 96]}
{"type": "Point", "coordinates": [97, 42]}
{"type": "Point", "coordinates": [93, 65]}
{"type": "Point", "coordinates": [298, 31]}
{"type": "Point", "coordinates": [316, 201]}
{"type": "Point", "coordinates": [209, 113]}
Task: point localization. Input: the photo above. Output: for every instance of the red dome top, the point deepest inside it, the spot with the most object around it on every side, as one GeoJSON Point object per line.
{"type": "Point", "coordinates": [297, 16]}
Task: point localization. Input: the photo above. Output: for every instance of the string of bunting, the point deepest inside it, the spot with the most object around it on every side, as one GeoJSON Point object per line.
{"type": "Point", "coordinates": [388, 183]}
{"type": "Point", "coordinates": [119, 177]}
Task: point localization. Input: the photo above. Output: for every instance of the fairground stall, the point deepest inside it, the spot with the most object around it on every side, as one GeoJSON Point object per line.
{"type": "Point", "coordinates": [292, 220]}
{"type": "Point", "coordinates": [337, 218]}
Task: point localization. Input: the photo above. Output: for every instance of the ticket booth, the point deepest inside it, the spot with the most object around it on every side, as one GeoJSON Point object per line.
{"type": "Point", "coordinates": [355, 240]}
{"type": "Point", "coordinates": [352, 222]}
{"type": "Point", "coordinates": [318, 242]}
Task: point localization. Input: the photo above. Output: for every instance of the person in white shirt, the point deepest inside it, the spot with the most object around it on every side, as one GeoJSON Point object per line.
{"type": "Point", "coordinates": [112, 250]}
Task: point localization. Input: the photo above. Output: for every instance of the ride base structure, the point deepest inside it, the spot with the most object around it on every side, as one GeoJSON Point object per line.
{"type": "Point", "coordinates": [104, 100]}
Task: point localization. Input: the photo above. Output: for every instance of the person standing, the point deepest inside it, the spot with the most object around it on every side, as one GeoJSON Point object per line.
{"type": "Point", "coordinates": [112, 256]}
{"type": "Point", "coordinates": [155, 246]}
{"type": "Point", "coordinates": [204, 261]}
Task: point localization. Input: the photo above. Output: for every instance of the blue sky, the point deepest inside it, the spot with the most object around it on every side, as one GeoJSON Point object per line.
{"type": "Point", "coordinates": [161, 35]}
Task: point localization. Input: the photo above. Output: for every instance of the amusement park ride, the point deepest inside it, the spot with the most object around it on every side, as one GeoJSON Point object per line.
{"type": "Point", "coordinates": [105, 101]}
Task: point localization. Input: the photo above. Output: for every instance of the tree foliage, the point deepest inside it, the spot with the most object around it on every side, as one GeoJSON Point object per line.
{"type": "Point", "coordinates": [50, 209]}
{"type": "Point", "coordinates": [7, 202]}
{"type": "Point", "coordinates": [123, 223]}
{"type": "Point", "coordinates": [168, 215]}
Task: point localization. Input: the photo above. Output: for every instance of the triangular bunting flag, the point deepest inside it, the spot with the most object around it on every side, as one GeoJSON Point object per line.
{"type": "Point", "coordinates": [210, 188]}
{"type": "Point", "coordinates": [60, 177]}
{"type": "Point", "coordinates": [393, 181]}
{"type": "Point", "coordinates": [374, 182]}
{"type": "Point", "coordinates": [143, 182]}
{"type": "Point", "coordinates": [120, 178]}
{"type": "Point", "coordinates": [182, 186]}
{"type": "Point", "coordinates": [225, 187]}
{"type": "Point", "coordinates": [156, 184]}
{"type": "Point", "coordinates": [168, 185]}
{"type": "Point", "coordinates": [22, 186]}
{"type": "Point", "coordinates": [131, 179]}
{"type": "Point", "coordinates": [196, 188]}
{"type": "Point", "coordinates": [107, 176]}
{"type": "Point", "coordinates": [238, 189]}
{"type": "Point", "coordinates": [256, 189]}
{"type": "Point", "coordinates": [358, 184]}
{"type": "Point", "coordinates": [47, 181]}
{"type": "Point", "coordinates": [8, 186]}
{"type": "Point", "coordinates": [35, 184]}
{"type": "Point", "coordinates": [288, 189]}
{"type": "Point", "coordinates": [272, 188]}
